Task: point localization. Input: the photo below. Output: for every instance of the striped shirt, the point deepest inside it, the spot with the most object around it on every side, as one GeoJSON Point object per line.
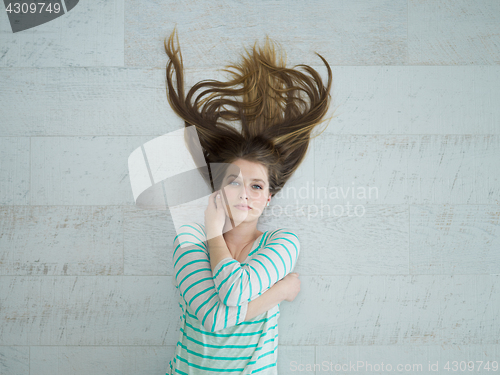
{"type": "Point", "coordinates": [214, 336]}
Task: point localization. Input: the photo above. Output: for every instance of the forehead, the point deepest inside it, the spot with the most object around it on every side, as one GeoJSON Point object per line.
{"type": "Point", "coordinates": [248, 169]}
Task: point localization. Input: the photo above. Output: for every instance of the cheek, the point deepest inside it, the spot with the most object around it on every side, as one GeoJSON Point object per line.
{"type": "Point", "coordinates": [231, 193]}
{"type": "Point", "coordinates": [260, 198]}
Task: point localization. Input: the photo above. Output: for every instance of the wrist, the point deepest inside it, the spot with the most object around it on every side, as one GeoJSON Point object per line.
{"type": "Point", "coordinates": [281, 290]}
{"type": "Point", "coordinates": [213, 233]}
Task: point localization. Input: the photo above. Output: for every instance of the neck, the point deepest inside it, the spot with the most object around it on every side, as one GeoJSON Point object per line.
{"type": "Point", "coordinates": [242, 234]}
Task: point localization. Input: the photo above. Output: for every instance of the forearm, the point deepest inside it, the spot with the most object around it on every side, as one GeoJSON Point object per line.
{"type": "Point", "coordinates": [266, 301]}
{"type": "Point", "coordinates": [217, 248]}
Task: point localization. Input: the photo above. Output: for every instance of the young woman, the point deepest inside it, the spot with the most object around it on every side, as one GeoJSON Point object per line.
{"type": "Point", "coordinates": [232, 277]}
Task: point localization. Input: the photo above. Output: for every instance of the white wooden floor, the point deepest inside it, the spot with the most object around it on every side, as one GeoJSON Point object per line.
{"type": "Point", "coordinates": [407, 274]}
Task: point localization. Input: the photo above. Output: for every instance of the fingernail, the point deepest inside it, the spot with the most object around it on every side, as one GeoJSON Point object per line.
{"type": "Point", "coordinates": [218, 195]}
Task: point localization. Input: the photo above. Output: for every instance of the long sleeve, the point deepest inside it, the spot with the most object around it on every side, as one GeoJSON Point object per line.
{"type": "Point", "coordinates": [237, 284]}
{"type": "Point", "coordinates": [194, 279]}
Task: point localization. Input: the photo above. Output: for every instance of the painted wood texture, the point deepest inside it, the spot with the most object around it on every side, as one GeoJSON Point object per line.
{"type": "Point", "coordinates": [91, 34]}
{"type": "Point", "coordinates": [345, 33]}
{"type": "Point", "coordinates": [405, 273]}
{"type": "Point", "coordinates": [365, 100]}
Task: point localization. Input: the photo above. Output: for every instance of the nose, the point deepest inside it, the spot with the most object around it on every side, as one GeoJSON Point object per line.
{"type": "Point", "coordinates": [243, 192]}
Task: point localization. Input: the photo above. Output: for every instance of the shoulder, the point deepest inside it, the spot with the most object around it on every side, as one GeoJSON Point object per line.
{"type": "Point", "coordinates": [190, 233]}
{"type": "Point", "coordinates": [284, 236]}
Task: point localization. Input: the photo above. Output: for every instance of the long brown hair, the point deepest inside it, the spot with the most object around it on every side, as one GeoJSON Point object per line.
{"type": "Point", "coordinates": [278, 110]}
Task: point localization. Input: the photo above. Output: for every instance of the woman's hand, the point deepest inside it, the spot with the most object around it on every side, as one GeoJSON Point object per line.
{"type": "Point", "coordinates": [291, 286]}
{"type": "Point", "coordinates": [215, 216]}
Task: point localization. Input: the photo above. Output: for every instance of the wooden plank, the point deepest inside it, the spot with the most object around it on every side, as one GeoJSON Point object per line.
{"type": "Point", "coordinates": [15, 360]}
{"type": "Point", "coordinates": [61, 240]}
{"type": "Point", "coordinates": [421, 359]}
{"type": "Point", "coordinates": [413, 169]}
{"type": "Point", "coordinates": [346, 33]}
{"type": "Point", "coordinates": [85, 102]}
{"type": "Point", "coordinates": [361, 169]}
{"type": "Point", "coordinates": [91, 34]}
{"type": "Point", "coordinates": [453, 32]}
{"type": "Point", "coordinates": [415, 100]}
{"type": "Point", "coordinates": [291, 356]}
{"type": "Point", "coordinates": [454, 239]}
{"type": "Point", "coordinates": [365, 100]}
{"type": "Point", "coordinates": [393, 310]}
{"type": "Point", "coordinates": [14, 170]}
{"type": "Point", "coordinates": [82, 170]}
{"type": "Point", "coordinates": [82, 360]}
{"type": "Point", "coordinates": [453, 169]}
{"type": "Point", "coordinates": [372, 243]}
{"type": "Point", "coordinates": [89, 310]}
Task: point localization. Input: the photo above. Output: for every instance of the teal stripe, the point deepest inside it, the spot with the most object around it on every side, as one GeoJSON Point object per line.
{"type": "Point", "coordinates": [226, 264]}
{"type": "Point", "coordinates": [202, 231]}
{"type": "Point", "coordinates": [261, 334]}
{"type": "Point", "coordinates": [203, 304]}
{"type": "Point", "coordinates": [228, 293]}
{"type": "Point", "coordinates": [207, 314]}
{"type": "Point", "coordinates": [293, 243]}
{"type": "Point", "coordinates": [263, 320]}
{"type": "Point", "coordinates": [237, 269]}
{"type": "Point", "coordinates": [288, 252]}
{"type": "Point", "coordinates": [293, 234]}
{"type": "Point", "coordinates": [258, 276]}
{"type": "Point", "coordinates": [211, 356]}
{"type": "Point", "coordinates": [205, 345]}
{"type": "Point", "coordinates": [196, 337]}
{"type": "Point", "coordinates": [194, 284]}
{"type": "Point", "coordinates": [208, 368]}
{"type": "Point", "coordinates": [215, 316]}
{"type": "Point", "coordinates": [277, 253]}
{"type": "Point", "coordinates": [197, 295]}
{"type": "Point", "coordinates": [200, 242]}
{"type": "Point", "coordinates": [185, 253]}
{"type": "Point", "coordinates": [263, 368]}
{"type": "Point", "coordinates": [192, 273]}
{"type": "Point", "coordinates": [264, 239]}
{"type": "Point", "coordinates": [275, 268]}
{"type": "Point", "coordinates": [241, 289]}
{"type": "Point", "coordinates": [250, 285]}
{"type": "Point", "coordinates": [265, 269]}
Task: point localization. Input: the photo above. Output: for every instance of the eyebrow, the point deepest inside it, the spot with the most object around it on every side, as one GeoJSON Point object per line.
{"type": "Point", "coordinates": [255, 179]}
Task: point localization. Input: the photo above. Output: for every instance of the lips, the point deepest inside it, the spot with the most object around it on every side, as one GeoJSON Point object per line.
{"type": "Point", "coordinates": [243, 207]}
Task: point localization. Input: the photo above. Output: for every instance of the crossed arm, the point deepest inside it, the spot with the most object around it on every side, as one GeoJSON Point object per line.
{"type": "Point", "coordinates": [196, 285]}
{"type": "Point", "coordinates": [236, 283]}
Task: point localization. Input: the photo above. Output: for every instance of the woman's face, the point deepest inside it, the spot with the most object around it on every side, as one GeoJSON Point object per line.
{"type": "Point", "coordinates": [246, 184]}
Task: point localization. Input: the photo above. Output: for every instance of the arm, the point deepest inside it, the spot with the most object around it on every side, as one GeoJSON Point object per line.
{"type": "Point", "coordinates": [270, 298]}
{"type": "Point", "coordinates": [195, 282]}
{"type": "Point", "coordinates": [218, 249]}
{"type": "Point", "coordinates": [238, 283]}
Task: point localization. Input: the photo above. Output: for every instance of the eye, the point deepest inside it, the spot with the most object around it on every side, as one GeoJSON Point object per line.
{"type": "Point", "coordinates": [260, 187]}
{"type": "Point", "coordinates": [233, 182]}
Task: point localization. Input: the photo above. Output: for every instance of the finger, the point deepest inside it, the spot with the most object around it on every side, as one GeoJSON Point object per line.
{"type": "Point", "coordinates": [211, 198]}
